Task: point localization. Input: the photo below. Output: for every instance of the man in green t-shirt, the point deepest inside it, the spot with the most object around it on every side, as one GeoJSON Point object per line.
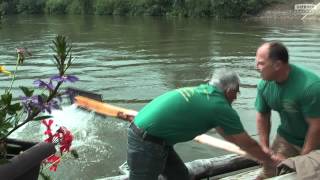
{"type": "Point", "coordinates": [181, 115]}
{"type": "Point", "coordinates": [294, 93]}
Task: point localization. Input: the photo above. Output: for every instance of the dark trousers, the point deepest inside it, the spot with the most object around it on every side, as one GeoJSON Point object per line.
{"type": "Point", "coordinates": [147, 160]}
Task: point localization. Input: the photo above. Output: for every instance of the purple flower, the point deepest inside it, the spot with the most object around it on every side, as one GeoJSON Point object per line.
{"type": "Point", "coordinates": [65, 78]}
{"type": "Point", "coordinates": [47, 106]}
{"type": "Point", "coordinates": [28, 102]}
{"type": "Point", "coordinates": [41, 84]}
{"type": "Point", "coordinates": [38, 102]}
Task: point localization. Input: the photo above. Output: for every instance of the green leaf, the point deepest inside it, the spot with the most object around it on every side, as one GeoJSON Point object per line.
{"type": "Point", "coordinates": [39, 118]}
{"type": "Point", "coordinates": [44, 176]}
{"type": "Point", "coordinates": [12, 109]}
{"type": "Point", "coordinates": [16, 106]}
{"type": "Point", "coordinates": [3, 115]}
{"type": "Point", "coordinates": [74, 153]}
{"type": "Point", "coordinates": [26, 91]}
{"type": "Point", "coordinates": [6, 98]}
{"type": "Point", "coordinates": [4, 127]}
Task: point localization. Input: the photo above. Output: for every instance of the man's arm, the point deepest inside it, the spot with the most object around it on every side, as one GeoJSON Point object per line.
{"type": "Point", "coordinates": [263, 127]}
{"type": "Point", "coordinates": [246, 143]}
{"type": "Point", "coordinates": [312, 138]}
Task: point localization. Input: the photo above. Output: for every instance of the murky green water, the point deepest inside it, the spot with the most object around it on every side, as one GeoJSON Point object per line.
{"type": "Point", "coordinates": [131, 60]}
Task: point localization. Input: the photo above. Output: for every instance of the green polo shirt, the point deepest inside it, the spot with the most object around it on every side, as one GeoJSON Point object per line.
{"type": "Point", "coordinates": [296, 99]}
{"type": "Point", "coordinates": [182, 114]}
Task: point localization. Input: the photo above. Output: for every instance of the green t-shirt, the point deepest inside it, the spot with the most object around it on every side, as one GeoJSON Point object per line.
{"type": "Point", "coordinates": [182, 114]}
{"type": "Point", "coordinates": [295, 100]}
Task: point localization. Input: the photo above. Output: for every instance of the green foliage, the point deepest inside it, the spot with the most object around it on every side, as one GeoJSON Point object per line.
{"type": "Point", "coordinates": [62, 58]}
{"type": "Point", "coordinates": [31, 6]}
{"type": "Point", "coordinates": [3, 7]}
{"type": "Point", "coordinates": [159, 7]}
{"type": "Point", "coordinates": [232, 8]}
{"type": "Point", "coordinates": [26, 91]}
{"type": "Point", "coordinates": [74, 8]}
{"type": "Point", "coordinates": [8, 6]}
{"type": "Point", "coordinates": [86, 6]}
{"type": "Point", "coordinates": [39, 118]}
{"type": "Point", "coordinates": [56, 6]}
{"type": "Point", "coordinates": [254, 6]}
{"type": "Point", "coordinates": [74, 154]}
{"type": "Point", "coordinates": [80, 7]}
{"type": "Point", "coordinates": [104, 7]}
{"type": "Point", "coordinates": [8, 113]}
{"type": "Point", "coordinates": [16, 113]}
{"type": "Point", "coordinates": [216, 8]}
{"type": "Point", "coordinates": [138, 7]}
{"type": "Point", "coordinates": [132, 7]}
{"type": "Point", "coordinates": [112, 7]}
{"type": "Point", "coordinates": [44, 176]}
{"type": "Point", "coordinates": [198, 8]}
{"type": "Point", "coordinates": [12, 113]}
{"type": "Point", "coordinates": [121, 7]}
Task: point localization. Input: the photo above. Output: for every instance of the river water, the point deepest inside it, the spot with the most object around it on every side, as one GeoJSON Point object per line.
{"type": "Point", "coordinates": [131, 60]}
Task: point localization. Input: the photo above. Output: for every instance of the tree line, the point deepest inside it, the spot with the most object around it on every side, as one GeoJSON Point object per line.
{"type": "Point", "coordinates": [185, 8]}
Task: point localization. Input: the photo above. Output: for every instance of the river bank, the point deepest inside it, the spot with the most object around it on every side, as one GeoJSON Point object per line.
{"type": "Point", "coordinates": [284, 11]}
{"type": "Point", "coordinates": [175, 8]}
{"type": "Point", "coordinates": [255, 9]}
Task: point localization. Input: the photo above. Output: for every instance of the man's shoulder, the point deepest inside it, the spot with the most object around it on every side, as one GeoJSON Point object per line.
{"type": "Point", "coordinates": [304, 70]}
{"type": "Point", "coordinates": [263, 84]}
{"type": "Point", "coordinates": [305, 76]}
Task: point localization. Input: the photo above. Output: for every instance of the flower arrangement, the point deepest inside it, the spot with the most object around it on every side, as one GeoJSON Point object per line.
{"type": "Point", "coordinates": [43, 97]}
{"type": "Point", "coordinates": [62, 137]}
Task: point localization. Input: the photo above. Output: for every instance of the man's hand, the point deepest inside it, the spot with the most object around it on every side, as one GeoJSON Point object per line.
{"type": "Point", "coordinates": [274, 161]}
{"type": "Point", "coordinates": [278, 158]}
{"type": "Point", "coordinates": [246, 143]}
{"type": "Point", "coordinates": [267, 150]}
{"type": "Point", "coordinates": [124, 116]}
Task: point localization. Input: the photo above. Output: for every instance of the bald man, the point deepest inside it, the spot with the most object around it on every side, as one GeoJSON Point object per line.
{"type": "Point", "coordinates": [292, 91]}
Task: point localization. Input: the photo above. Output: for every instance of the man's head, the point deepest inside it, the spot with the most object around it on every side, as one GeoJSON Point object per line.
{"type": "Point", "coordinates": [271, 57]}
{"type": "Point", "coordinates": [228, 81]}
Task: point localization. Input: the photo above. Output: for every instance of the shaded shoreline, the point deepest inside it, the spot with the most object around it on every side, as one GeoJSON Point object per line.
{"type": "Point", "coordinates": [285, 11]}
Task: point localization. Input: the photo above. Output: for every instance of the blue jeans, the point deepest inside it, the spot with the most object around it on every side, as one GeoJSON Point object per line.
{"type": "Point", "coordinates": [147, 160]}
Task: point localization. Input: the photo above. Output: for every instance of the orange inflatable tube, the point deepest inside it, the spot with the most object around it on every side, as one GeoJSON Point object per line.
{"type": "Point", "coordinates": [102, 108]}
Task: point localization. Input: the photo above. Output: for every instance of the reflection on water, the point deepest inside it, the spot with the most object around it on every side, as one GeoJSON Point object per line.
{"type": "Point", "coordinates": [131, 60]}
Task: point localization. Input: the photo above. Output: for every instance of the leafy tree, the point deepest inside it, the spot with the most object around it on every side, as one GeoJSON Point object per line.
{"type": "Point", "coordinates": [104, 7]}
{"type": "Point", "coordinates": [31, 6]}
{"type": "Point", "coordinates": [80, 7]}
{"type": "Point", "coordinates": [56, 6]}
{"type": "Point", "coordinates": [216, 8]}
{"type": "Point", "coordinates": [8, 6]}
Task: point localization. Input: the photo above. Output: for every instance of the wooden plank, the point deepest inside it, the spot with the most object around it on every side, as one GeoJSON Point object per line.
{"type": "Point", "coordinates": [219, 143]}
